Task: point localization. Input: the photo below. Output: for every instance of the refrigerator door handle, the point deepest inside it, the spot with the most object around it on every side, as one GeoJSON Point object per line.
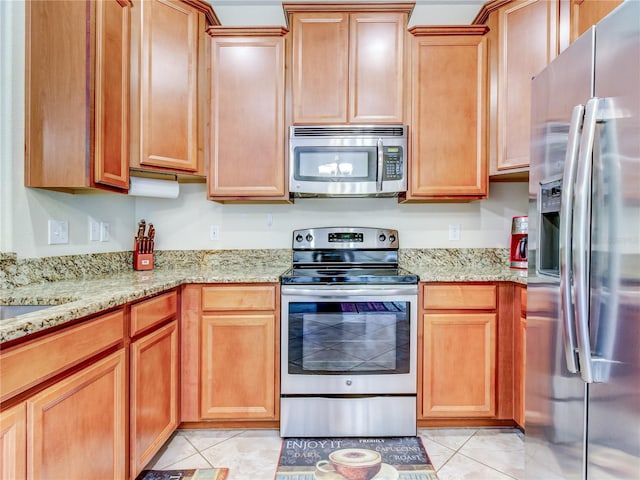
{"type": "Point", "coordinates": [566, 222]}
{"type": "Point", "coordinates": [581, 239]}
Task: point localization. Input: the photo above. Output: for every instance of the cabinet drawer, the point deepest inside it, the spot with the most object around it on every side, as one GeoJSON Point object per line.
{"type": "Point", "coordinates": [240, 297]}
{"type": "Point", "coordinates": [28, 364]}
{"type": "Point", "coordinates": [523, 302]}
{"type": "Point", "coordinates": [153, 311]}
{"type": "Point", "coordinates": [467, 297]}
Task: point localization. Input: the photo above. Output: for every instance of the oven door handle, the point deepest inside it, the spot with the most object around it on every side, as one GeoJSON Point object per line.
{"type": "Point", "coordinates": [345, 291]}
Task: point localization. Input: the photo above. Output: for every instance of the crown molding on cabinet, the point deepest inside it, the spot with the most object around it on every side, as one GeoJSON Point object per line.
{"type": "Point", "coordinates": [206, 8]}
{"type": "Point", "coordinates": [298, 7]}
{"type": "Point", "coordinates": [486, 9]}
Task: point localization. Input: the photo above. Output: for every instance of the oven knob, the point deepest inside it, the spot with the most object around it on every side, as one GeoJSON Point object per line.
{"type": "Point", "coordinates": [299, 238]}
{"type": "Point", "coordinates": [382, 237]}
{"type": "Point", "coordinates": [392, 238]}
{"type": "Point", "coordinates": [349, 382]}
{"type": "Point", "coordinates": [309, 237]}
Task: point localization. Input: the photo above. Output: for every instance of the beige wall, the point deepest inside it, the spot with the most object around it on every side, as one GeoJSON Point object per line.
{"type": "Point", "coordinates": [184, 223]}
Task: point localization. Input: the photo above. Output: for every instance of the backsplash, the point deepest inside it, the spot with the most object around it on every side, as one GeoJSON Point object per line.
{"type": "Point", "coordinates": [16, 272]}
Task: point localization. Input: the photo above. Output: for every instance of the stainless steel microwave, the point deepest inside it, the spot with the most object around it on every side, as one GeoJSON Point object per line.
{"type": "Point", "coordinates": [347, 160]}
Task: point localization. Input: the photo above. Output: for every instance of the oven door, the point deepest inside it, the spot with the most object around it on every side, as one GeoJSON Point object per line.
{"type": "Point", "coordinates": [349, 339]}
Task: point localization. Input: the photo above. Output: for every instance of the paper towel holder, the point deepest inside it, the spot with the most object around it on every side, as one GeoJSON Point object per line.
{"type": "Point", "coordinates": [153, 187]}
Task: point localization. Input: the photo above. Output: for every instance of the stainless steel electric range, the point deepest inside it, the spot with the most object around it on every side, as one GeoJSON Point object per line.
{"type": "Point", "coordinates": [349, 336]}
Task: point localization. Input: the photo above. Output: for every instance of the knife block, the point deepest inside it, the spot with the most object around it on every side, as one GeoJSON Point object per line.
{"type": "Point", "coordinates": [142, 261]}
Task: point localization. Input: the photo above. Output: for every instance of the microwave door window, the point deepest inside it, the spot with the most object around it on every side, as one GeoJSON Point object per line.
{"type": "Point", "coordinates": [335, 164]}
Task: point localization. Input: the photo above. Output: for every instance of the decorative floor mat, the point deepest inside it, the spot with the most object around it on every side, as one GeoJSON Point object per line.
{"type": "Point", "coordinates": [393, 458]}
{"type": "Point", "coordinates": [197, 474]}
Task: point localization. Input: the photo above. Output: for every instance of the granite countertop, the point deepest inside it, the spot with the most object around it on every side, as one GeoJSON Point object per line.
{"type": "Point", "coordinates": [72, 299]}
{"type": "Point", "coordinates": [78, 297]}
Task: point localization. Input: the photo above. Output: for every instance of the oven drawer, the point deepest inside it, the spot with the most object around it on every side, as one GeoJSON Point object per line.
{"type": "Point", "coordinates": [366, 416]}
{"type": "Point", "coordinates": [459, 297]}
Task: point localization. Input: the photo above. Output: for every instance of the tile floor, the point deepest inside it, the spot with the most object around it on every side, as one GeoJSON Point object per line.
{"type": "Point", "coordinates": [457, 454]}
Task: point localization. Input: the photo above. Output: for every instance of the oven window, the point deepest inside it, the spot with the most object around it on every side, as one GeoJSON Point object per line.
{"type": "Point", "coordinates": [356, 337]}
{"type": "Point", "coordinates": [338, 164]}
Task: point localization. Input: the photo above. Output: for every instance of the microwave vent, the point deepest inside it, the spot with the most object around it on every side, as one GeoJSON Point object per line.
{"type": "Point", "coordinates": [349, 131]}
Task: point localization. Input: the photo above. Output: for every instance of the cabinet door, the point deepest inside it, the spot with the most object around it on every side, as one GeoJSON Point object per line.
{"type": "Point", "coordinates": [13, 443]}
{"type": "Point", "coordinates": [168, 85]}
{"type": "Point", "coordinates": [238, 371]}
{"type": "Point", "coordinates": [111, 164]}
{"type": "Point", "coordinates": [520, 355]}
{"type": "Point", "coordinates": [528, 41]}
{"type": "Point", "coordinates": [154, 393]}
{"type": "Point", "coordinates": [320, 67]}
{"type": "Point", "coordinates": [448, 157]}
{"type": "Point", "coordinates": [76, 427]}
{"type": "Point", "coordinates": [77, 95]}
{"type": "Point", "coordinates": [376, 65]}
{"type": "Point", "coordinates": [459, 365]}
{"type": "Point", "coordinates": [585, 13]}
{"type": "Point", "coordinates": [247, 118]}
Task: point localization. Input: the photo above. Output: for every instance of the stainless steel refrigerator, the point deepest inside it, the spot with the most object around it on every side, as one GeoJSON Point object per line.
{"type": "Point", "coordinates": [582, 400]}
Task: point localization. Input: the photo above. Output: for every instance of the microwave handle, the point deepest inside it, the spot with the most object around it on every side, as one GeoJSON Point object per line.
{"type": "Point", "coordinates": [380, 165]}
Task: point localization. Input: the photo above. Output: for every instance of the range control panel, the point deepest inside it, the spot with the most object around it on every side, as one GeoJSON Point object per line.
{"type": "Point", "coordinates": [345, 238]}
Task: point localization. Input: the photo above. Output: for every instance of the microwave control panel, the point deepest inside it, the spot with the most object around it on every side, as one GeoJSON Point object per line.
{"type": "Point", "coordinates": [393, 163]}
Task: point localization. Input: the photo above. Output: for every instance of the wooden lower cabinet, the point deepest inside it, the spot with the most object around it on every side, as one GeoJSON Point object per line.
{"type": "Point", "coordinates": [238, 366]}
{"type": "Point", "coordinates": [13, 441]}
{"type": "Point", "coordinates": [76, 427]}
{"type": "Point", "coordinates": [459, 355]}
{"type": "Point", "coordinates": [458, 351]}
{"type": "Point", "coordinates": [520, 355]}
{"type": "Point", "coordinates": [234, 375]}
{"type": "Point", "coordinates": [239, 370]}
{"type": "Point", "coordinates": [154, 393]}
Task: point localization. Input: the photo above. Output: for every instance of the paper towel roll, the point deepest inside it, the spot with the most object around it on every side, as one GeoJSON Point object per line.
{"type": "Point", "coordinates": [152, 187]}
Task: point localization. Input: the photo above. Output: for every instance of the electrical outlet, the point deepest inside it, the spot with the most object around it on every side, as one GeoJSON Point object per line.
{"type": "Point", "coordinates": [454, 232]}
{"type": "Point", "coordinates": [57, 232]}
{"type": "Point", "coordinates": [269, 219]}
{"type": "Point", "coordinates": [94, 230]}
{"type": "Point", "coordinates": [214, 233]}
{"type": "Point", "coordinates": [105, 231]}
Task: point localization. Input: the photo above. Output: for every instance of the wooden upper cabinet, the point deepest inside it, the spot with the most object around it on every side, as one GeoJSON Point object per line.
{"type": "Point", "coordinates": [448, 114]}
{"type": "Point", "coordinates": [167, 43]}
{"type": "Point", "coordinates": [320, 67]}
{"type": "Point", "coordinates": [347, 62]}
{"type": "Point", "coordinates": [77, 95]}
{"type": "Point", "coordinates": [376, 53]}
{"type": "Point", "coordinates": [247, 115]}
{"type": "Point", "coordinates": [523, 39]}
{"type": "Point", "coordinates": [585, 13]}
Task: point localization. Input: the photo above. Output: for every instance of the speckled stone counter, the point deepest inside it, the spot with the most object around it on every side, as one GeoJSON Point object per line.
{"type": "Point", "coordinates": [79, 297]}
{"type": "Point", "coordinates": [461, 265]}
{"type": "Point", "coordinates": [82, 285]}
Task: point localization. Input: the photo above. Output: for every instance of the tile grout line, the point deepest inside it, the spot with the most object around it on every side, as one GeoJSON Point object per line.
{"type": "Point", "coordinates": [488, 466]}
{"type": "Point", "coordinates": [455, 452]}
{"type": "Point", "coordinates": [479, 461]}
